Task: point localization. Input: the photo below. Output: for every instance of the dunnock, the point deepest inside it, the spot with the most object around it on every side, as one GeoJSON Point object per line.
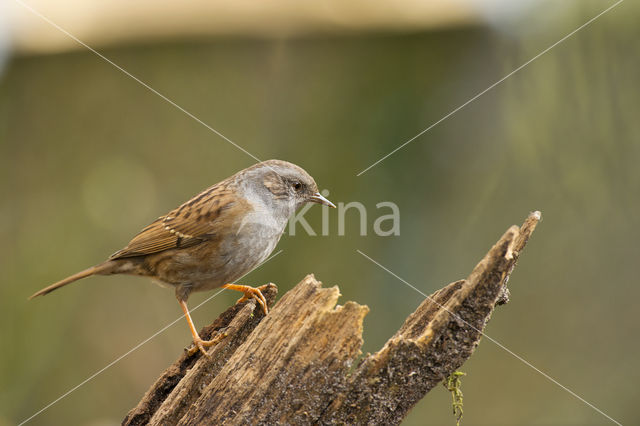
{"type": "Point", "coordinates": [216, 237]}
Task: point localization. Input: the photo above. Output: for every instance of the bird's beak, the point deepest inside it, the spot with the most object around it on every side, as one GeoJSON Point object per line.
{"type": "Point", "coordinates": [318, 198]}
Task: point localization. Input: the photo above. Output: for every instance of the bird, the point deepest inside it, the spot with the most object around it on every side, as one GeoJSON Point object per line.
{"type": "Point", "coordinates": [215, 238]}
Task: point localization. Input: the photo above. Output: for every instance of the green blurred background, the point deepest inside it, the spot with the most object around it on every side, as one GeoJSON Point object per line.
{"type": "Point", "coordinates": [88, 157]}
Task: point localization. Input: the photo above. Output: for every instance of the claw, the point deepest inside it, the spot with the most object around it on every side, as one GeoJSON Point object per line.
{"type": "Point", "coordinates": [199, 344]}
{"type": "Point", "coordinates": [251, 293]}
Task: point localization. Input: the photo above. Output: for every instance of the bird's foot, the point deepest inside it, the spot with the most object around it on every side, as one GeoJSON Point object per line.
{"type": "Point", "coordinates": [251, 293]}
{"type": "Point", "coordinates": [200, 344]}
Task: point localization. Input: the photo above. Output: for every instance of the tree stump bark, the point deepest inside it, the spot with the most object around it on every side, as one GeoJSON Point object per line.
{"type": "Point", "coordinates": [295, 366]}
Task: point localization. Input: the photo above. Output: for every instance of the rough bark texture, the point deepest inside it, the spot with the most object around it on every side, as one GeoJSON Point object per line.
{"type": "Point", "coordinates": [294, 366]}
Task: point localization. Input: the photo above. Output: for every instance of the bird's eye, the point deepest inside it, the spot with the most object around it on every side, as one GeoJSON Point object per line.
{"type": "Point", "coordinates": [297, 186]}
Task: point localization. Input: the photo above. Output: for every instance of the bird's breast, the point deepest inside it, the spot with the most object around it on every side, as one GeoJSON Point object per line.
{"type": "Point", "coordinates": [255, 238]}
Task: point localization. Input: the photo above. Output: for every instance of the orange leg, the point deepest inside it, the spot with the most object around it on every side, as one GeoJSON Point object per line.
{"type": "Point", "coordinates": [197, 340]}
{"type": "Point", "coordinates": [250, 292]}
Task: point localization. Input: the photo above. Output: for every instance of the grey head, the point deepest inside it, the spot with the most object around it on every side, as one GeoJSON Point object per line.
{"type": "Point", "coordinates": [279, 187]}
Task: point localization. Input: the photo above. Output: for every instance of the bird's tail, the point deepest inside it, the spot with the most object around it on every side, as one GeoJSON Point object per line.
{"type": "Point", "coordinates": [103, 268]}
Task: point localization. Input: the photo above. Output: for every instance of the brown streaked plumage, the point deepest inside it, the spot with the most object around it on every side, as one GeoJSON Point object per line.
{"type": "Point", "coordinates": [216, 237]}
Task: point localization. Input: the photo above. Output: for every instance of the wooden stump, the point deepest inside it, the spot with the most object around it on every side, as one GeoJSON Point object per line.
{"type": "Point", "coordinates": [295, 366]}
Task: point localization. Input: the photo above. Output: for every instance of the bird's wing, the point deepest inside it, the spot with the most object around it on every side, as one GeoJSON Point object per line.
{"type": "Point", "coordinates": [199, 219]}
